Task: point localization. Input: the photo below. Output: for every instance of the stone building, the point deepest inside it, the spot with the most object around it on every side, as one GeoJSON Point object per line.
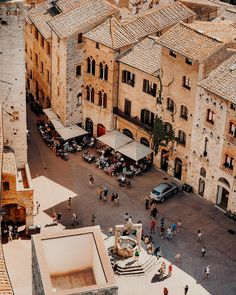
{"type": "Point", "coordinates": [84, 267]}
{"type": "Point", "coordinates": [213, 147]}
{"type": "Point", "coordinates": [102, 47]}
{"type": "Point", "coordinates": [136, 6]}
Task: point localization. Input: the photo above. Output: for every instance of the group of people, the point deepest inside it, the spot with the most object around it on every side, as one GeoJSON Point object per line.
{"type": "Point", "coordinates": [103, 195]}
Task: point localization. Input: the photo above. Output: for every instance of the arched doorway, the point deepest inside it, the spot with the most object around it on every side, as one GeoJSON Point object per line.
{"type": "Point", "coordinates": [144, 141]}
{"type": "Point", "coordinates": [14, 214]}
{"type": "Point", "coordinates": [222, 197]}
{"type": "Point", "coordinates": [178, 168]}
{"type": "Point", "coordinates": [89, 126]}
{"type": "Point", "coordinates": [201, 183]}
{"type": "Point", "coordinates": [101, 130]}
{"type": "Point", "coordinates": [164, 160]}
{"type": "Point", "coordinates": [128, 133]}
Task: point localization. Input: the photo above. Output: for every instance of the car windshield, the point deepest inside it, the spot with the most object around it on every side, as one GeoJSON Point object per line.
{"type": "Point", "coordinates": [156, 192]}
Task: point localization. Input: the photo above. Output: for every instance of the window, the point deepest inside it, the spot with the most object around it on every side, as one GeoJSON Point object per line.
{"type": "Point", "coordinates": [26, 47]}
{"type": "Point", "coordinates": [147, 117]}
{"type": "Point", "coordinates": [203, 172]}
{"type": "Point", "coordinates": [170, 104]}
{"type": "Point", "coordinates": [97, 45]}
{"type": "Point", "coordinates": [79, 97]}
{"type": "Point", "coordinates": [90, 93]}
{"type": "Point", "coordinates": [102, 99]}
{"type": "Point", "coordinates": [31, 55]}
{"type": "Point", "coordinates": [36, 34]}
{"type": "Point", "coordinates": [188, 61]}
{"type": "Point", "coordinates": [58, 91]}
{"type": "Point", "coordinates": [149, 87]}
{"type": "Point", "coordinates": [168, 129]}
{"type": "Point", "coordinates": [182, 137]}
{"type": "Point", "coordinates": [91, 66]}
{"type": "Point", "coordinates": [186, 82]}
{"type": "Point", "coordinates": [128, 78]}
{"type": "Point", "coordinates": [80, 38]}
{"type": "Point", "coordinates": [78, 70]}
{"type": "Point", "coordinates": [172, 53]}
{"type": "Point", "coordinates": [48, 48]}
{"type": "Point", "coordinates": [184, 112]}
{"type": "Point", "coordinates": [103, 71]}
{"type": "Point", "coordinates": [42, 41]}
{"type": "Point", "coordinates": [210, 116]}
{"type": "Point", "coordinates": [229, 162]}
{"type": "Point", "coordinates": [127, 109]}
{"type": "Point", "coordinates": [42, 67]}
{"type": "Point", "coordinates": [232, 129]}
{"type": "Point", "coordinates": [6, 186]}
{"type": "Point", "coordinates": [233, 106]}
{"type": "Point", "coordinates": [36, 59]}
{"type": "Point", "coordinates": [48, 76]}
{"type": "Point", "coordinates": [58, 65]}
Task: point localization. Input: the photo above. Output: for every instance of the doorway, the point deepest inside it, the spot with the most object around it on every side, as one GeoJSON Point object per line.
{"type": "Point", "coordinates": [201, 187]}
{"type": "Point", "coordinates": [222, 197]}
{"type": "Point", "coordinates": [89, 126]}
{"type": "Point", "coordinates": [101, 130]}
{"type": "Point", "coordinates": [178, 169]}
{"type": "Point", "coordinates": [164, 160]}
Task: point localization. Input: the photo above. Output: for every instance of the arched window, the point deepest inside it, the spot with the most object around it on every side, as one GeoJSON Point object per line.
{"type": "Point", "coordinates": [103, 71]}
{"type": "Point", "coordinates": [229, 162]}
{"type": "Point", "coordinates": [6, 186]}
{"type": "Point", "coordinates": [128, 133]}
{"type": "Point", "coordinates": [224, 181]}
{"type": "Point", "coordinates": [170, 104]}
{"type": "Point", "coordinates": [203, 172]}
{"type": "Point", "coordinates": [168, 128]}
{"type": "Point", "coordinates": [144, 141]}
{"type": "Point", "coordinates": [184, 112]}
{"type": "Point", "coordinates": [182, 137]}
{"type": "Point", "coordinates": [91, 66]}
{"type": "Point", "coordinates": [102, 99]}
{"type": "Point", "coordinates": [79, 98]}
{"type": "Point", "coordinates": [232, 129]}
{"type": "Point", "coordinates": [90, 93]}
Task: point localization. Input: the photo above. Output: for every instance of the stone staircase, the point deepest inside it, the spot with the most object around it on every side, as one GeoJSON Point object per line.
{"type": "Point", "coordinates": [5, 284]}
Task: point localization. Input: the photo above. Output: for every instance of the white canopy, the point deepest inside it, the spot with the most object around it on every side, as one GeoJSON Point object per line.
{"type": "Point", "coordinates": [135, 150]}
{"type": "Point", "coordinates": [65, 132]}
{"type": "Point", "coordinates": [115, 139]}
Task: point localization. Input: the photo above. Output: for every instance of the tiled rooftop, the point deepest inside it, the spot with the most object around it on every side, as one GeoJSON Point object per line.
{"type": "Point", "coordinates": [189, 42]}
{"type": "Point", "coordinates": [144, 56]}
{"type": "Point", "coordinates": [89, 12]}
{"type": "Point", "coordinates": [112, 34]}
{"type": "Point", "coordinates": [9, 163]}
{"type": "Point", "coordinates": [222, 80]}
{"type": "Point", "coordinates": [156, 19]}
{"type": "Point", "coordinates": [224, 31]}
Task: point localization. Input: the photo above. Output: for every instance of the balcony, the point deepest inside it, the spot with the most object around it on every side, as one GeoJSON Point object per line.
{"type": "Point", "coordinates": [133, 120]}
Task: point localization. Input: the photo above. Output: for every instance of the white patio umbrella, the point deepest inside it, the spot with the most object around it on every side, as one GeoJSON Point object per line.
{"type": "Point", "coordinates": [115, 139]}
{"type": "Point", "coordinates": [135, 150]}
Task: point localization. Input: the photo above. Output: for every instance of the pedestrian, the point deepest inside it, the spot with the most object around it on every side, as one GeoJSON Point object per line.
{"type": "Point", "coordinates": [59, 216]}
{"type": "Point", "coordinates": [169, 233]}
{"type": "Point", "coordinates": [170, 268]}
{"type": "Point", "coordinates": [105, 193]}
{"type": "Point", "coordinates": [173, 227]}
{"type": "Point", "coordinates": [199, 236]}
{"type": "Point", "coordinates": [113, 197]}
{"type": "Point", "coordinates": [91, 179]}
{"type": "Point", "coordinates": [162, 231]}
{"type": "Point", "coordinates": [153, 211]}
{"type": "Point", "coordinates": [177, 257]}
{"type": "Point", "coordinates": [69, 203]}
{"type": "Point", "coordinates": [179, 225]}
{"type": "Point", "coordinates": [74, 219]}
{"type": "Point", "coordinates": [37, 207]}
{"type": "Point", "coordinates": [207, 271]}
{"type": "Point", "coordinates": [110, 230]}
{"type": "Point", "coordinates": [126, 217]}
{"type": "Point", "coordinates": [162, 221]}
{"type": "Point", "coordinates": [146, 203]}
{"type": "Point", "coordinates": [136, 255]}
{"type": "Point", "coordinates": [117, 198]}
{"type": "Point", "coordinates": [93, 219]}
{"type": "Point", "coordinates": [204, 250]}
{"type": "Point", "coordinates": [153, 225]}
{"type": "Point", "coordinates": [186, 290]}
{"type": "Point", "coordinates": [100, 190]}
{"type": "Point", "coordinates": [54, 218]}
{"type": "Point", "coordinates": [165, 291]}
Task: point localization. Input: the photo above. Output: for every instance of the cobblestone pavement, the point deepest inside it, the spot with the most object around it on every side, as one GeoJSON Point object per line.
{"type": "Point", "coordinates": [195, 212]}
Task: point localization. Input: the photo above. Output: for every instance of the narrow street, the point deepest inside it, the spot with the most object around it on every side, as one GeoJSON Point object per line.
{"type": "Point", "coordinates": [195, 212]}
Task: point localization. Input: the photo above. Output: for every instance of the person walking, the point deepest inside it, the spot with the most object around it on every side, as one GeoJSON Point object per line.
{"type": "Point", "coordinates": [126, 216]}
{"type": "Point", "coordinates": [199, 236]}
{"type": "Point", "coordinates": [100, 190]}
{"type": "Point", "coordinates": [113, 197]}
{"type": "Point", "coordinates": [162, 221]}
{"type": "Point", "coordinates": [91, 180]}
{"type": "Point", "coordinates": [69, 203]}
{"type": "Point", "coordinates": [207, 271]}
{"type": "Point", "coordinates": [93, 218]}
{"type": "Point", "coordinates": [203, 251]}
{"type": "Point", "coordinates": [117, 198]}
{"type": "Point", "coordinates": [169, 233]}
{"type": "Point", "coordinates": [165, 291]}
{"type": "Point", "coordinates": [186, 290]}
{"type": "Point", "coordinates": [136, 255]}
{"type": "Point", "coordinates": [177, 257]}
{"type": "Point", "coordinates": [105, 193]}
{"type": "Point", "coordinates": [54, 218]}
{"type": "Point", "coordinates": [162, 231]}
{"type": "Point", "coordinates": [74, 219]}
{"type": "Point", "coordinates": [37, 207]}
{"type": "Point", "coordinates": [170, 268]}
{"type": "Point", "coordinates": [146, 203]}
{"type": "Point", "coordinates": [153, 225]}
{"type": "Point", "coordinates": [179, 225]}
{"type": "Point", "coordinates": [153, 211]}
{"type": "Point", "coordinates": [173, 227]}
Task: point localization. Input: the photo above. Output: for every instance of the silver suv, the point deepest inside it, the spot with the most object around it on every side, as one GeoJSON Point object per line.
{"type": "Point", "coordinates": [162, 191]}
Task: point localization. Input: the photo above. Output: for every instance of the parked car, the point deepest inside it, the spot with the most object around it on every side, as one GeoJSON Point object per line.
{"type": "Point", "coordinates": [162, 191]}
{"type": "Point", "coordinates": [187, 188]}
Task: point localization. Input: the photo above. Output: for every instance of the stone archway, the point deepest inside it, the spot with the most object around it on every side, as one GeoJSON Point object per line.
{"type": "Point", "coordinates": [222, 196]}
{"type": "Point", "coordinates": [14, 214]}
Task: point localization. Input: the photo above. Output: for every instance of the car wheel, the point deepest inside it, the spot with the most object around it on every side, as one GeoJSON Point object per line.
{"type": "Point", "coordinates": [162, 200]}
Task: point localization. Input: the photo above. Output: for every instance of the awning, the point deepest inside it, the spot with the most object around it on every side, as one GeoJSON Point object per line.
{"type": "Point", "coordinates": [135, 150]}
{"type": "Point", "coordinates": [65, 132]}
{"type": "Point", "coordinates": [115, 139]}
